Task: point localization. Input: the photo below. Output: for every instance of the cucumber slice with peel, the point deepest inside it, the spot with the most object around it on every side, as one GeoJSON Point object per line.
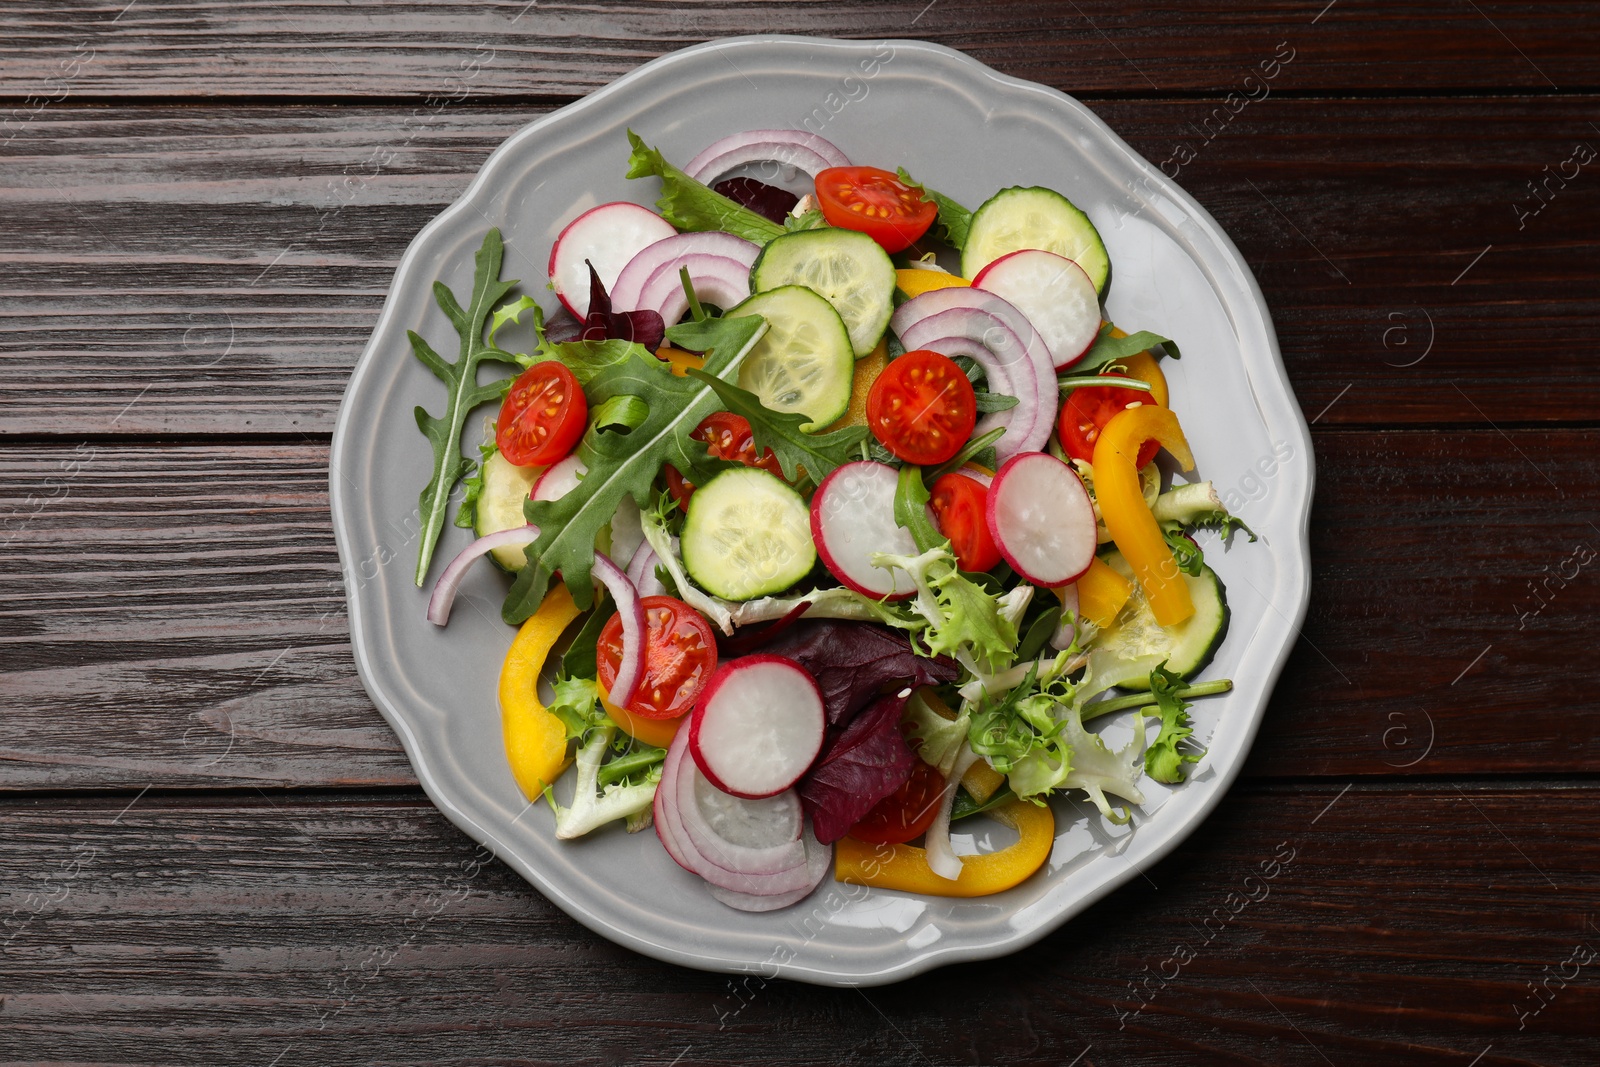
{"type": "Point", "coordinates": [804, 362]}
{"type": "Point", "coordinates": [747, 534]}
{"type": "Point", "coordinates": [849, 269]}
{"type": "Point", "coordinates": [1135, 643]}
{"type": "Point", "coordinates": [505, 487]}
{"type": "Point", "coordinates": [1017, 218]}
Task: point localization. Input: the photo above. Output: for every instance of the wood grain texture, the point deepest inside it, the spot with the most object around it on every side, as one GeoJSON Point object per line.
{"type": "Point", "coordinates": [292, 221]}
{"type": "Point", "coordinates": [200, 48]}
{"type": "Point", "coordinates": [187, 601]}
{"type": "Point", "coordinates": [1387, 924]}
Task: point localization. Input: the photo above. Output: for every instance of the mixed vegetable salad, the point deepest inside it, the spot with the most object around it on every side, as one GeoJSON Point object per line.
{"type": "Point", "coordinates": [838, 547]}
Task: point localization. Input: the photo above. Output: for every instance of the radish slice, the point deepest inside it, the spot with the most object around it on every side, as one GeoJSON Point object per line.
{"type": "Point", "coordinates": [714, 261]}
{"type": "Point", "coordinates": [777, 866]}
{"type": "Point", "coordinates": [818, 859]}
{"type": "Point", "coordinates": [607, 236]}
{"type": "Point", "coordinates": [976, 323]}
{"type": "Point", "coordinates": [560, 479]}
{"type": "Point", "coordinates": [797, 148]}
{"type": "Point", "coordinates": [1054, 293]}
{"type": "Point", "coordinates": [1041, 519]}
{"type": "Point", "coordinates": [1065, 631]}
{"type": "Point", "coordinates": [444, 593]}
{"type": "Point", "coordinates": [773, 820]}
{"type": "Point", "coordinates": [630, 672]}
{"type": "Point", "coordinates": [758, 727]}
{"type": "Point", "coordinates": [852, 518]}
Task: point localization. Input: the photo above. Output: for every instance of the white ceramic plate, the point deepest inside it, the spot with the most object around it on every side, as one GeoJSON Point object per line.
{"type": "Point", "coordinates": [967, 131]}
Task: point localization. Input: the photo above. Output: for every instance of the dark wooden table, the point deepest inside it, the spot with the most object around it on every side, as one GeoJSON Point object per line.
{"type": "Point", "coordinates": [212, 849]}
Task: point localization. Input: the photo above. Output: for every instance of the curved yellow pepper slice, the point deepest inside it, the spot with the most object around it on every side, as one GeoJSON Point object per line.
{"type": "Point", "coordinates": [679, 361]}
{"type": "Point", "coordinates": [1143, 366]}
{"type": "Point", "coordinates": [905, 867]}
{"type": "Point", "coordinates": [868, 367]}
{"type": "Point", "coordinates": [536, 741]}
{"type": "Point", "coordinates": [914, 281]}
{"type": "Point", "coordinates": [1101, 593]}
{"type": "Point", "coordinates": [1128, 518]}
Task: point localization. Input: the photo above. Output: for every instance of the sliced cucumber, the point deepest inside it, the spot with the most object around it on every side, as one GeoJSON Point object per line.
{"type": "Point", "coordinates": [804, 362]}
{"type": "Point", "coordinates": [1034, 217]}
{"type": "Point", "coordinates": [747, 534]}
{"type": "Point", "coordinates": [848, 268]}
{"type": "Point", "coordinates": [505, 487]}
{"type": "Point", "coordinates": [1135, 643]}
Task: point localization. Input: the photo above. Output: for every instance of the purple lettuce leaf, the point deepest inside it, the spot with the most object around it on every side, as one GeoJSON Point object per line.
{"type": "Point", "coordinates": [602, 324]}
{"type": "Point", "coordinates": [768, 201]}
{"type": "Point", "coordinates": [858, 767]}
{"type": "Point", "coordinates": [854, 661]}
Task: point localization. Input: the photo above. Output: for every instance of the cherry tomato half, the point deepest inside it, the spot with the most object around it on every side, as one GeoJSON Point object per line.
{"type": "Point", "coordinates": [1086, 413]}
{"type": "Point", "coordinates": [907, 812]}
{"type": "Point", "coordinates": [957, 502]}
{"type": "Point", "coordinates": [542, 417]}
{"type": "Point", "coordinates": [680, 654]}
{"type": "Point", "coordinates": [922, 407]}
{"type": "Point", "coordinates": [876, 203]}
{"type": "Point", "coordinates": [727, 436]}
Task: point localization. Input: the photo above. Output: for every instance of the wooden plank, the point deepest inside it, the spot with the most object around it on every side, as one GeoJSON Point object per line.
{"type": "Point", "coordinates": [1392, 925]}
{"type": "Point", "coordinates": [187, 602]}
{"type": "Point", "coordinates": [180, 271]}
{"type": "Point", "coordinates": [199, 48]}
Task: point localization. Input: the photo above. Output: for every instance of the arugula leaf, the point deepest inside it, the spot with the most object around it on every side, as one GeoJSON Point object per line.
{"type": "Point", "coordinates": [911, 509]}
{"type": "Point", "coordinates": [1163, 761]}
{"type": "Point", "coordinates": [1107, 348]}
{"type": "Point", "coordinates": [462, 391]}
{"type": "Point", "coordinates": [990, 402]}
{"type": "Point", "coordinates": [1185, 553]}
{"type": "Point", "coordinates": [621, 464]}
{"type": "Point", "coordinates": [692, 205]}
{"type": "Point", "coordinates": [973, 451]}
{"type": "Point", "coordinates": [780, 432]}
{"type": "Point", "coordinates": [954, 220]}
{"type": "Point", "coordinates": [472, 488]}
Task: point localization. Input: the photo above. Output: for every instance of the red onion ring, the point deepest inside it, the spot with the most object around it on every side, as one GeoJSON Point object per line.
{"type": "Point", "coordinates": [670, 254]}
{"type": "Point", "coordinates": [642, 571]}
{"type": "Point", "coordinates": [444, 593]}
{"type": "Point", "coordinates": [795, 147]}
{"type": "Point", "coordinates": [630, 672]}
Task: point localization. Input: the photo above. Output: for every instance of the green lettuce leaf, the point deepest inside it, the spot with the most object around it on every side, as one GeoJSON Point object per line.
{"type": "Point", "coordinates": [625, 464]}
{"type": "Point", "coordinates": [954, 220]}
{"type": "Point", "coordinates": [1164, 761]}
{"type": "Point", "coordinates": [964, 621]}
{"type": "Point", "coordinates": [692, 205]}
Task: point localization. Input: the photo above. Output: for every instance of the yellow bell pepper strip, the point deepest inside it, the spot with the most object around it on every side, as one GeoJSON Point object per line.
{"type": "Point", "coordinates": [905, 867]}
{"type": "Point", "coordinates": [913, 281]}
{"type": "Point", "coordinates": [1101, 594]}
{"type": "Point", "coordinates": [1143, 366]}
{"type": "Point", "coordinates": [868, 367]}
{"type": "Point", "coordinates": [657, 732]}
{"type": "Point", "coordinates": [679, 361]}
{"type": "Point", "coordinates": [536, 741]}
{"type": "Point", "coordinates": [981, 780]}
{"type": "Point", "coordinates": [1127, 516]}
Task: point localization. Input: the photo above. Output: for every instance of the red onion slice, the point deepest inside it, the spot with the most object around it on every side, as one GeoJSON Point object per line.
{"type": "Point", "coordinates": [795, 147]}
{"type": "Point", "coordinates": [716, 279]}
{"type": "Point", "coordinates": [818, 860]}
{"type": "Point", "coordinates": [671, 254]}
{"type": "Point", "coordinates": [642, 571]}
{"type": "Point", "coordinates": [444, 593]}
{"type": "Point", "coordinates": [975, 323]}
{"type": "Point", "coordinates": [630, 672]}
